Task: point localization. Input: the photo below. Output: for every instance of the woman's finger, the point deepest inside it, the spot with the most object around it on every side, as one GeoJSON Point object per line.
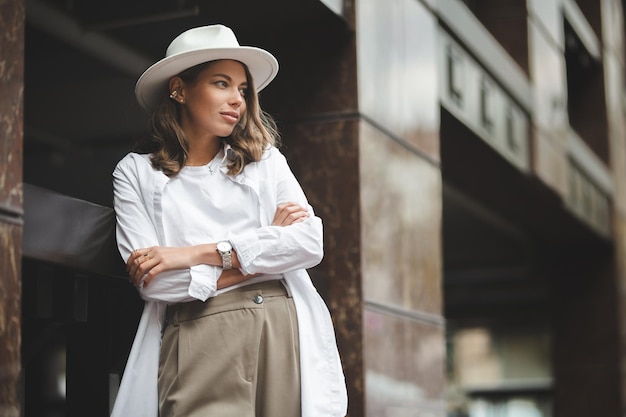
{"type": "Point", "coordinates": [289, 213]}
{"type": "Point", "coordinates": [280, 214]}
{"type": "Point", "coordinates": [139, 262]}
{"type": "Point", "coordinates": [133, 264]}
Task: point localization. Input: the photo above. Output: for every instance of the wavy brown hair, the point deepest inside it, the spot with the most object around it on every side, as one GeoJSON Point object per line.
{"type": "Point", "coordinates": [168, 145]}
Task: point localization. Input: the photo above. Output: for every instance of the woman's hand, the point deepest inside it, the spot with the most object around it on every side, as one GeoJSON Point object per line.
{"type": "Point", "coordinates": [149, 262]}
{"type": "Point", "coordinates": [289, 213]}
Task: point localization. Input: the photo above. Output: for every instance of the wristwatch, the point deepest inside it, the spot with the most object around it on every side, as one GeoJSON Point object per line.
{"type": "Point", "coordinates": [224, 248]}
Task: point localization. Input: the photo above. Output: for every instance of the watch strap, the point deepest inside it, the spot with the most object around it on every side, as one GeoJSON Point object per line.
{"type": "Point", "coordinates": [227, 255]}
{"type": "Point", "coordinates": [227, 260]}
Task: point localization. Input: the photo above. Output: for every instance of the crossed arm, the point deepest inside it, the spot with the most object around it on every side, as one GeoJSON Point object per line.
{"type": "Point", "coordinates": [144, 264]}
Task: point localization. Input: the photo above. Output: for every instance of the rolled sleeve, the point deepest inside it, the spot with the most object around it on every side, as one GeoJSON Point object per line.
{"type": "Point", "coordinates": [203, 281]}
{"type": "Point", "coordinates": [248, 247]}
{"type": "Point", "coordinates": [276, 249]}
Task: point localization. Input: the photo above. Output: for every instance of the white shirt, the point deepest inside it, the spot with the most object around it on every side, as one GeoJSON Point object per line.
{"type": "Point", "coordinates": [214, 208]}
{"type": "Point", "coordinates": [139, 204]}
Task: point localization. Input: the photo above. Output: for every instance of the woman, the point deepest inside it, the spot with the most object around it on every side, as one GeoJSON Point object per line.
{"type": "Point", "coordinates": [217, 233]}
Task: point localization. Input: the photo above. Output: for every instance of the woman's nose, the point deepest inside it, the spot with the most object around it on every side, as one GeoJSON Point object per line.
{"type": "Point", "coordinates": [237, 98]}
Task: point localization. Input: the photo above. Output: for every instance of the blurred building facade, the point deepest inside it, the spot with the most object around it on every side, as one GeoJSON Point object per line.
{"type": "Point", "coordinates": [468, 159]}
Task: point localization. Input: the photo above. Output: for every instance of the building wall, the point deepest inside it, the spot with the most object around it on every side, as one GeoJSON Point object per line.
{"type": "Point", "coordinates": [400, 199]}
{"type": "Point", "coordinates": [547, 71]}
{"type": "Point", "coordinates": [612, 32]}
{"type": "Point", "coordinates": [381, 111]}
{"type": "Point", "coordinates": [553, 179]}
{"type": "Point", "coordinates": [569, 202]}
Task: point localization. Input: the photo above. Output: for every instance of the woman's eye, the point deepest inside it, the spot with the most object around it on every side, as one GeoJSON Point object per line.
{"type": "Point", "coordinates": [221, 84]}
{"type": "Point", "coordinates": [243, 91]}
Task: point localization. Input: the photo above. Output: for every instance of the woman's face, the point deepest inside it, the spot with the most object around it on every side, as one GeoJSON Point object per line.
{"type": "Point", "coordinates": [215, 101]}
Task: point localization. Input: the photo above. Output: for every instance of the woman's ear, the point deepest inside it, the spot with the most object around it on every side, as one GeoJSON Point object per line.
{"type": "Point", "coordinates": [176, 89]}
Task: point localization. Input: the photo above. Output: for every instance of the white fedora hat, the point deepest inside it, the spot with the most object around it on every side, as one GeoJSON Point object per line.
{"type": "Point", "coordinates": [196, 46]}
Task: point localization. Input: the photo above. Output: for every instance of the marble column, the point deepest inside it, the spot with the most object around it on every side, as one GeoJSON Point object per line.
{"type": "Point", "coordinates": [11, 129]}
{"type": "Point", "coordinates": [314, 101]}
{"type": "Point", "coordinates": [359, 114]}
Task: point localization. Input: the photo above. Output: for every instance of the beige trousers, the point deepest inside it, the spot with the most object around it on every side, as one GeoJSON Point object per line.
{"type": "Point", "coordinates": [236, 355]}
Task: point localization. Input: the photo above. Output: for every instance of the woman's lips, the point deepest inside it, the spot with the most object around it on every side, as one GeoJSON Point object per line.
{"type": "Point", "coordinates": [232, 117]}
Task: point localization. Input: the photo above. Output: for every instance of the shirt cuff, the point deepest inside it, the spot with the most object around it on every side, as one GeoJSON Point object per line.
{"type": "Point", "coordinates": [248, 247]}
{"type": "Point", "coordinates": [203, 281]}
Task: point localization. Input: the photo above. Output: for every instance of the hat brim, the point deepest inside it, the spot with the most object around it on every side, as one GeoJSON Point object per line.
{"type": "Point", "coordinates": [152, 84]}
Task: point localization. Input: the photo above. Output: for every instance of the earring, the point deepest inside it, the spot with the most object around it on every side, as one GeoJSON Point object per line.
{"type": "Point", "coordinates": [173, 94]}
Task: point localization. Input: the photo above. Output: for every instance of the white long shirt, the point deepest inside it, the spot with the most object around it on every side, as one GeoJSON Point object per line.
{"type": "Point", "coordinates": [271, 250]}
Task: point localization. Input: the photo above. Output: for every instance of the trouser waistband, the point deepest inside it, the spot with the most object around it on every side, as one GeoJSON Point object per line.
{"type": "Point", "coordinates": [249, 296]}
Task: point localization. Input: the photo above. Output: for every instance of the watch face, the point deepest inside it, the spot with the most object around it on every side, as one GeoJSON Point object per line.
{"type": "Point", "coordinates": [224, 246]}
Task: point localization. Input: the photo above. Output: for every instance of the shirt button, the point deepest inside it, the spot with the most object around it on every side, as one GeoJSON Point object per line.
{"type": "Point", "coordinates": [258, 299]}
